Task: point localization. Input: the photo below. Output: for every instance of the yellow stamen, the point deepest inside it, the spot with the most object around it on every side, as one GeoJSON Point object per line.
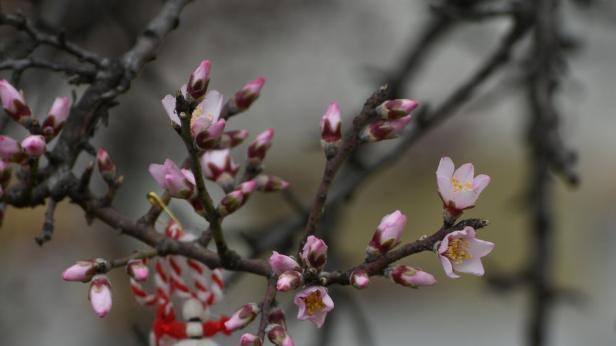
{"type": "Point", "coordinates": [457, 185]}
{"type": "Point", "coordinates": [154, 199]}
{"type": "Point", "coordinates": [314, 303]}
{"type": "Point", "coordinates": [457, 250]}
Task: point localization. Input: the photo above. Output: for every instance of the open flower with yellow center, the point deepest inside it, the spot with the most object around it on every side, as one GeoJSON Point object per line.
{"type": "Point", "coordinates": [459, 188]}
{"type": "Point", "coordinates": [460, 251]}
{"type": "Point", "coordinates": [314, 303]}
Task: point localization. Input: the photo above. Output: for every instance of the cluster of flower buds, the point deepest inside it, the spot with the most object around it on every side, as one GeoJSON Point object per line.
{"type": "Point", "coordinates": [394, 115]}
{"type": "Point", "coordinates": [246, 96]}
{"type": "Point", "coordinates": [459, 188]}
{"type": "Point", "coordinates": [313, 301]}
{"type": "Point", "coordinates": [100, 287]}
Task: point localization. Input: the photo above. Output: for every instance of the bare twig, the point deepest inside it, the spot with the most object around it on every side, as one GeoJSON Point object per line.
{"type": "Point", "coordinates": [48, 225]}
{"type": "Point", "coordinates": [266, 306]}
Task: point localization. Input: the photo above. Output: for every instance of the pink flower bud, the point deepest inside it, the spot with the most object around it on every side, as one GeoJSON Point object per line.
{"type": "Point", "coordinates": [359, 279]}
{"type": "Point", "coordinates": [100, 295]}
{"type": "Point", "coordinates": [410, 277]}
{"type": "Point", "coordinates": [218, 166]}
{"type": "Point", "coordinates": [34, 145]}
{"type": "Point", "coordinates": [231, 139]}
{"type": "Point", "coordinates": [258, 148]}
{"type": "Point", "coordinates": [282, 263]}
{"type": "Point", "coordinates": [205, 126]}
{"type": "Point", "coordinates": [231, 203]}
{"type": "Point", "coordinates": [270, 183]}
{"type": "Point", "coordinates": [387, 234]}
{"type": "Point", "coordinates": [248, 339]}
{"type": "Point", "coordinates": [179, 183]}
{"type": "Point", "coordinates": [459, 189]}
{"type": "Point", "coordinates": [199, 80]}
{"type": "Point", "coordinates": [384, 129]}
{"type": "Point", "coordinates": [106, 167]}
{"type": "Point", "coordinates": [248, 187]}
{"type": "Point", "coordinates": [242, 317]}
{"type": "Point", "coordinates": [277, 316]}
{"type": "Point", "coordinates": [278, 335]}
{"type": "Point", "coordinates": [314, 303]}
{"type": "Point", "coordinates": [247, 95]}
{"type": "Point", "coordinates": [331, 129]}
{"type": "Point", "coordinates": [314, 253]}
{"type": "Point", "coordinates": [395, 109]}
{"type": "Point", "coordinates": [289, 280]}
{"type": "Point", "coordinates": [10, 150]}
{"type": "Point", "coordinates": [58, 113]}
{"type": "Point", "coordinates": [81, 271]}
{"type": "Point", "coordinates": [13, 102]}
{"type": "Point", "coordinates": [137, 269]}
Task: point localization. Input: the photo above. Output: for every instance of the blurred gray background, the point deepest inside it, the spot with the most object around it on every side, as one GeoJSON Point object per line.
{"type": "Point", "coordinates": [314, 52]}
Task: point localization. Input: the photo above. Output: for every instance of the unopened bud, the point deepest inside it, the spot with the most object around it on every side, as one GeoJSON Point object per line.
{"type": "Point", "coordinates": [359, 279]}
{"type": "Point", "coordinates": [278, 335]}
{"type": "Point", "coordinates": [34, 145]}
{"type": "Point", "coordinates": [242, 317]}
{"type": "Point", "coordinates": [331, 130]}
{"type": "Point", "coordinates": [100, 295]}
{"type": "Point", "coordinates": [218, 166]}
{"type": "Point", "coordinates": [248, 339]}
{"type": "Point", "coordinates": [289, 280]}
{"type": "Point", "coordinates": [387, 234]}
{"type": "Point", "coordinates": [199, 80]}
{"type": "Point", "coordinates": [137, 269]}
{"type": "Point", "coordinates": [83, 270]}
{"type": "Point", "coordinates": [314, 253]}
{"type": "Point", "coordinates": [246, 96]}
{"type": "Point", "coordinates": [384, 129]}
{"type": "Point", "coordinates": [270, 183]}
{"type": "Point", "coordinates": [282, 263]}
{"type": "Point", "coordinates": [409, 277]}
{"type": "Point", "coordinates": [258, 148]}
{"type": "Point", "coordinates": [58, 113]}
{"type": "Point", "coordinates": [231, 139]}
{"type": "Point", "coordinates": [106, 167]}
{"type": "Point", "coordinates": [13, 102]}
{"type": "Point", "coordinates": [395, 109]}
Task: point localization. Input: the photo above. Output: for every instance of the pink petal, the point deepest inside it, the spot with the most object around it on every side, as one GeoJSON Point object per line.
{"type": "Point", "coordinates": [158, 173]}
{"type": "Point", "coordinates": [465, 199]}
{"type": "Point", "coordinates": [188, 174]}
{"type": "Point", "coordinates": [212, 105]}
{"type": "Point", "coordinates": [472, 266]}
{"type": "Point", "coordinates": [479, 248]}
{"type": "Point", "coordinates": [448, 267]}
{"type": "Point", "coordinates": [445, 168]}
{"type": "Point", "coordinates": [445, 189]}
{"type": "Point", "coordinates": [169, 105]}
{"type": "Point", "coordinates": [465, 173]}
{"type": "Point", "coordinates": [480, 182]}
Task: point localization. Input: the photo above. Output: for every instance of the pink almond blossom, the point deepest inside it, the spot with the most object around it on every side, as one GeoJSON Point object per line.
{"type": "Point", "coordinates": [410, 277]}
{"type": "Point", "coordinates": [34, 145]}
{"type": "Point", "coordinates": [13, 102]}
{"type": "Point", "coordinates": [178, 182]}
{"type": "Point", "coordinates": [459, 189]}
{"type": "Point", "coordinates": [314, 303]}
{"type": "Point", "coordinates": [314, 253]}
{"type": "Point", "coordinates": [199, 80]}
{"type": "Point", "coordinates": [282, 263]}
{"type": "Point", "coordinates": [106, 167]}
{"type": "Point", "coordinates": [387, 234]}
{"type": "Point", "coordinates": [100, 295]}
{"type": "Point", "coordinates": [461, 251]}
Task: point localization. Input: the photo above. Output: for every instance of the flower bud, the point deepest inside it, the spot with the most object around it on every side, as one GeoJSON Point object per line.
{"type": "Point", "coordinates": [248, 187]}
{"type": "Point", "coordinates": [314, 253]}
{"type": "Point", "coordinates": [137, 269]}
{"type": "Point", "coordinates": [387, 234]}
{"type": "Point", "coordinates": [270, 183]}
{"type": "Point", "coordinates": [34, 145]}
{"type": "Point", "coordinates": [248, 339]}
{"type": "Point", "coordinates": [100, 295]}
{"type": "Point", "coordinates": [282, 263]}
{"type": "Point", "coordinates": [331, 130]}
{"type": "Point", "coordinates": [277, 316]}
{"type": "Point", "coordinates": [199, 80]}
{"type": "Point", "coordinates": [242, 317]}
{"type": "Point", "coordinates": [384, 129]}
{"type": "Point", "coordinates": [409, 277]}
{"type": "Point", "coordinates": [106, 167]}
{"type": "Point", "coordinates": [231, 139]}
{"type": "Point", "coordinates": [359, 279]}
{"type": "Point", "coordinates": [395, 109]}
{"type": "Point", "coordinates": [13, 102]}
{"type": "Point", "coordinates": [231, 203]}
{"type": "Point", "coordinates": [58, 113]}
{"type": "Point", "coordinates": [179, 183]}
{"type": "Point", "coordinates": [278, 336]}
{"type": "Point", "coordinates": [258, 149]}
{"type": "Point", "coordinates": [10, 150]}
{"type": "Point", "coordinates": [289, 280]}
{"type": "Point", "coordinates": [218, 166]}
{"type": "Point", "coordinates": [246, 96]}
{"type": "Point", "coordinates": [82, 270]}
